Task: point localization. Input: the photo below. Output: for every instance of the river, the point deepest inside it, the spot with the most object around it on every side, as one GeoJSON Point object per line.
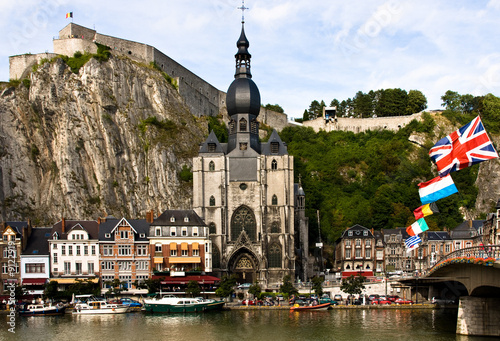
{"type": "Point", "coordinates": [337, 324]}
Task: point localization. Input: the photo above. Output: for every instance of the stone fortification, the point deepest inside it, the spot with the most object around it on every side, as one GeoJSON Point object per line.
{"type": "Point", "coordinates": [358, 125]}
{"type": "Point", "coordinates": [201, 97]}
{"type": "Point", "coordinates": [20, 66]}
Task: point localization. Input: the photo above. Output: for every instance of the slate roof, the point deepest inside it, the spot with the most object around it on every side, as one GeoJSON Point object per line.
{"type": "Point", "coordinates": [38, 242]}
{"type": "Point", "coordinates": [90, 226]}
{"type": "Point", "coordinates": [18, 226]}
{"type": "Point", "coordinates": [465, 231]}
{"type": "Point", "coordinates": [219, 147]}
{"type": "Point", "coordinates": [141, 226]}
{"type": "Point", "coordinates": [266, 147]}
{"type": "Point", "coordinates": [355, 229]}
{"type": "Point", "coordinates": [179, 215]}
{"type": "Point", "coordinates": [438, 235]}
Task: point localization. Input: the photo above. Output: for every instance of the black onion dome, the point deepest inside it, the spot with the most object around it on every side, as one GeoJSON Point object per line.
{"type": "Point", "coordinates": [243, 97]}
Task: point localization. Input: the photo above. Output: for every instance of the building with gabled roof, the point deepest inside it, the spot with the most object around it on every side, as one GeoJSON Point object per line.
{"type": "Point", "coordinates": [35, 261]}
{"type": "Point", "coordinates": [74, 248]}
{"type": "Point", "coordinates": [15, 236]}
{"type": "Point", "coordinates": [124, 253]}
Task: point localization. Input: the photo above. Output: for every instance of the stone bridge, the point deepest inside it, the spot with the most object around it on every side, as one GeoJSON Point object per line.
{"type": "Point", "coordinates": [473, 274]}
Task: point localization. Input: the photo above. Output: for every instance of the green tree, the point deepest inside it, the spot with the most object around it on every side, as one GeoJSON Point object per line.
{"type": "Point", "coordinates": [193, 288]}
{"type": "Point", "coordinates": [317, 285]}
{"type": "Point", "coordinates": [417, 102]}
{"type": "Point", "coordinates": [353, 285]}
{"type": "Point", "coordinates": [315, 110]}
{"type": "Point", "coordinates": [255, 289]}
{"type": "Point", "coordinates": [153, 285]}
{"type": "Point", "coordinates": [451, 101]}
{"type": "Point", "coordinates": [51, 291]}
{"type": "Point", "coordinates": [275, 107]}
{"type": "Point", "coordinates": [219, 128]}
{"type": "Point", "coordinates": [226, 286]}
{"type": "Point", "coordinates": [287, 286]}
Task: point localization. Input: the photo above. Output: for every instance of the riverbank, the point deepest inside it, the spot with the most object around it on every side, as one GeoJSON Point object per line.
{"type": "Point", "coordinates": [340, 307]}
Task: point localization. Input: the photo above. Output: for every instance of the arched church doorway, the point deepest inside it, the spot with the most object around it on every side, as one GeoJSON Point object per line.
{"type": "Point", "coordinates": [244, 266]}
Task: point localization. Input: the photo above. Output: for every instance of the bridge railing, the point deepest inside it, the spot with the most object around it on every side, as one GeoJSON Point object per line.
{"type": "Point", "coordinates": [476, 252]}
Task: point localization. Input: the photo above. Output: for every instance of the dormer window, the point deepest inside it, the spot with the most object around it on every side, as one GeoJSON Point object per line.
{"type": "Point", "coordinates": [275, 147]}
{"type": "Point", "coordinates": [107, 235]}
{"type": "Point", "coordinates": [172, 219]}
{"type": "Point", "coordinates": [142, 235]}
{"type": "Point", "coordinates": [186, 219]}
{"type": "Point", "coordinates": [365, 233]}
{"type": "Point", "coordinates": [349, 233]}
{"type": "Point", "coordinates": [211, 147]}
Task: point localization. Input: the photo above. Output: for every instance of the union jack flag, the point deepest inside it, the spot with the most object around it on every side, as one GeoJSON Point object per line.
{"type": "Point", "coordinates": [463, 148]}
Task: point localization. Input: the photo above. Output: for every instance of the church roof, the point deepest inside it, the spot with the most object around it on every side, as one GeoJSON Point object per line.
{"type": "Point", "coordinates": [212, 139]}
{"type": "Point", "coordinates": [267, 147]}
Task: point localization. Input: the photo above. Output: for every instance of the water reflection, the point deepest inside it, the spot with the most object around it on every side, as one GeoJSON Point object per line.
{"type": "Point", "coordinates": [337, 324]}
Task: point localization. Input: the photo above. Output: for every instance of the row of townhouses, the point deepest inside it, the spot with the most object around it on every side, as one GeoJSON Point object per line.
{"type": "Point", "coordinates": [363, 251]}
{"type": "Point", "coordinates": [101, 251]}
{"type": "Point", "coordinates": [177, 242]}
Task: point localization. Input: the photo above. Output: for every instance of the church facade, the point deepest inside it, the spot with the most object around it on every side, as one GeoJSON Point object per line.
{"type": "Point", "coordinates": [244, 190]}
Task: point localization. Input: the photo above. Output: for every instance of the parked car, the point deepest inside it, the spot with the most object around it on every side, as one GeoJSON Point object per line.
{"type": "Point", "coordinates": [252, 302]}
{"type": "Point", "coordinates": [130, 302]}
{"type": "Point", "coordinates": [403, 301]}
{"type": "Point", "coordinates": [392, 298]}
{"type": "Point", "coordinates": [380, 301]}
{"type": "Point", "coordinates": [338, 298]}
{"type": "Point", "coordinates": [372, 297]}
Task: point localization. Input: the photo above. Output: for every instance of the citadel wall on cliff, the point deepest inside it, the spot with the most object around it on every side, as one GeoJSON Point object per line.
{"type": "Point", "coordinates": [201, 97]}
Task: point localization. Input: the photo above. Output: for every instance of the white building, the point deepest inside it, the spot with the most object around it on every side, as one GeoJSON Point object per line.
{"type": "Point", "coordinates": [35, 261]}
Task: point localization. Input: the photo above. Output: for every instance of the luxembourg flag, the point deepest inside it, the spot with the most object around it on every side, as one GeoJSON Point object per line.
{"type": "Point", "coordinates": [435, 189]}
{"type": "Point", "coordinates": [417, 227]}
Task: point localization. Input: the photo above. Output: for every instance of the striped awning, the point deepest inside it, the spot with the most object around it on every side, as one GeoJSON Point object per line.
{"type": "Point", "coordinates": [184, 260]}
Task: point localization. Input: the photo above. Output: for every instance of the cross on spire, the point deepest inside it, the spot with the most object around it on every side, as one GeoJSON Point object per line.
{"type": "Point", "coordinates": [243, 8]}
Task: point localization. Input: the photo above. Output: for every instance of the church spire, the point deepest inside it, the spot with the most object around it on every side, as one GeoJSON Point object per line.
{"type": "Point", "coordinates": [242, 56]}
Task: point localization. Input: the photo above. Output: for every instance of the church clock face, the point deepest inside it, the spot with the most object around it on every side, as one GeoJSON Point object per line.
{"type": "Point", "coordinates": [243, 187]}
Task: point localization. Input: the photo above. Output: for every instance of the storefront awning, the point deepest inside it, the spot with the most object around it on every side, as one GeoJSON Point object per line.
{"type": "Point", "coordinates": [73, 280]}
{"type": "Point", "coordinates": [364, 273]}
{"type": "Point", "coordinates": [34, 281]}
{"type": "Point", "coordinates": [173, 246]}
{"type": "Point", "coordinates": [158, 260]}
{"type": "Point", "coordinates": [201, 279]}
{"type": "Point", "coordinates": [184, 260]}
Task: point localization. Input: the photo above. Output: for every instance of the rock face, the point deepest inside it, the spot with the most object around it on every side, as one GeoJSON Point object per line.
{"type": "Point", "coordinates": [111, 139]}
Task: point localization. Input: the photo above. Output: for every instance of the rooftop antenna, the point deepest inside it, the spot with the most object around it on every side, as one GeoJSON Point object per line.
{"type": "Point", "coordinates": [243, 8]}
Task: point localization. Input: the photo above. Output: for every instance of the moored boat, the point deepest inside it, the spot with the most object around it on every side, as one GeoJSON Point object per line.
{"type": "Point", "coordinates": [322, 306]}
{"type": "Point", "coordinates": [42, 310]}
{"type": "Point", "coordinates": [173, 304]}
{"type": "Point", "coordinates": [89, 305]}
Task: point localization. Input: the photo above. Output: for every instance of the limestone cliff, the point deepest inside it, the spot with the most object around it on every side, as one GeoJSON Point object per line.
{"type": "Point", "coordinates": [110, 139]}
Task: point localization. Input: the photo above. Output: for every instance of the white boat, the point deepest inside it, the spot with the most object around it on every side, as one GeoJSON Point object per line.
{"type": "Point", "coordinates": [174, 304]}
{"type": "Point", "coordinates": [88, 304]}
{"type": "Point", "coordinates": [42, 310]}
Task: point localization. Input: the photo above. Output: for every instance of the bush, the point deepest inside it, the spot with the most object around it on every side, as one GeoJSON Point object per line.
{"type": "Point", "coordinates": [185, 174]}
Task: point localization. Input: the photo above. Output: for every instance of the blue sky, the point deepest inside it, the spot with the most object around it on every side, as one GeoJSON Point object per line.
{"type": "Point", "coordinates": [301, 50]}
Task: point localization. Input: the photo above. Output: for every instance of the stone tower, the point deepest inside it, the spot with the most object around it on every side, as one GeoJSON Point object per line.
{"type": "Point", "coordinates": [244, 189]}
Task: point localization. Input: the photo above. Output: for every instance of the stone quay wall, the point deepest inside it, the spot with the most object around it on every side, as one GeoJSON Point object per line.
{"type": "Point", "coordinates": [479, 316]}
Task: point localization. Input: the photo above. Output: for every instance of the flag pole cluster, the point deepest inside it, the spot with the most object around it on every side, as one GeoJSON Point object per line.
{"type": "Point", "coordinates": [462, 148]}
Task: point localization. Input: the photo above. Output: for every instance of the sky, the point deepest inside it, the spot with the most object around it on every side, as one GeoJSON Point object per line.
{"type": "Point", "coordinates": [302, 50]}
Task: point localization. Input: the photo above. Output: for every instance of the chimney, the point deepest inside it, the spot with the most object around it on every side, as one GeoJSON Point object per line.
{"type": "Point", "coordinates": [99, 220]}
{"type": "Point", "coordinates": [63, 225]}
{"type": "Point", "coordinates": [150, 216]}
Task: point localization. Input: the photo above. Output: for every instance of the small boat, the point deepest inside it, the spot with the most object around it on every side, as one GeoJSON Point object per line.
{"type": "Point", "coordinates": [174, 304]}
{"type": "Point", "coordinates": [321, 306]}
{"type": "Point", "coordinates": [90, 305]}
{"type": "Point", "coordinates": [42, 310]}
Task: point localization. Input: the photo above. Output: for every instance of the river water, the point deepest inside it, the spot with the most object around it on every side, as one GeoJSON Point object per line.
{"type": "Point", "coordinates": [336, 324]}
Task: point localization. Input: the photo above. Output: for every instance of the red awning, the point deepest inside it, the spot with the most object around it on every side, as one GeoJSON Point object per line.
{"type": "Point", "coordinates": [364, 273]}
{"type": "Point", "coordinates": [34, 281]}
{"type": "Point", "coordinates": [185, 279]}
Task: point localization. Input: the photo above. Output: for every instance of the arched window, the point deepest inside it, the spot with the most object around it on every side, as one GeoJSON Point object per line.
{"type": "Point", "coordinates": [275, 227]}
{"type": "Point", "coordinates": [215, 257]}
{"type": "Point", "coordinates": [212, 201]}
{"type": "Point", "coordinates": [274, 165]}
{"type": "Point", "coordinates": [211, 166]}
{"type": "Point", "coordinates": [212, 229]}
{"type": "Point", "coordinates": [243, 125]}
{"type": "Point", "coordinates": [243, 220]}
{"type": "Point", "coordinates": [274, 200]}
{"type": "Point", "coordinates": [274, 256]}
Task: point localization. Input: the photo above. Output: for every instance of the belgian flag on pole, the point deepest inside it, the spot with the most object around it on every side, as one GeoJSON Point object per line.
{"type": "Point", "coordinates": [69, 15]}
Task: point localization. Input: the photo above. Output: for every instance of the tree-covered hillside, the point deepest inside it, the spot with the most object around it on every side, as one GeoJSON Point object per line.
{"type": "Point", "coordinates": [371, 178]}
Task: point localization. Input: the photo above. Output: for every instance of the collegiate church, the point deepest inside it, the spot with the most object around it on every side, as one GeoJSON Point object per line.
{"type": "Point", "coordinates": [244, 190]}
